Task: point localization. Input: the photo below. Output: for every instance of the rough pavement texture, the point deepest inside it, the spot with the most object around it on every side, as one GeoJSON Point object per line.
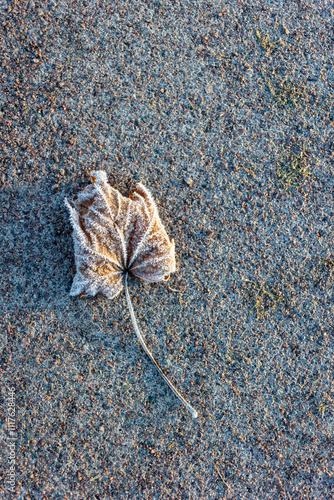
{"type": "Point", "coordinates": [224, 110]}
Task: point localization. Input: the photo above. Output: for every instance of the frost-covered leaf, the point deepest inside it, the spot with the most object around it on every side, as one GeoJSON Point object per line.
{"type": "Point", "coordinates": [114, 235]}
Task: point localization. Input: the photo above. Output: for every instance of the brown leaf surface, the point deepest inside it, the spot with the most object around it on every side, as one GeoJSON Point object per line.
{"type": "Point", "coordinates": [114, 235]}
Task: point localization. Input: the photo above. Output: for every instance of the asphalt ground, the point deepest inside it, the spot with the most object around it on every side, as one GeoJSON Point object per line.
{"type": "Point", "coordinates": [224, 111]}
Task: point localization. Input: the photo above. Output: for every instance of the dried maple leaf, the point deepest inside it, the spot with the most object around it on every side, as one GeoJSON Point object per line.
{"type": "Point", "coordinates": [116, 236]}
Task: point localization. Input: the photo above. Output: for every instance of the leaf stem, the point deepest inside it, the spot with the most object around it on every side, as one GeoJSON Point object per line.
{"type": "Point", "coordinates": [144, 346]}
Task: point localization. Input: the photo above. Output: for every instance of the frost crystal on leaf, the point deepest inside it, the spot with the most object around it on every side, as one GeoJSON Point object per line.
{"type": "Point", "coordinates": [114, 235]}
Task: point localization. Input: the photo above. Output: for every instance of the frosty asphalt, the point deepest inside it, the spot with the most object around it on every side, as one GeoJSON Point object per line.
{"type": "Point", "coordinates": [224, 111]}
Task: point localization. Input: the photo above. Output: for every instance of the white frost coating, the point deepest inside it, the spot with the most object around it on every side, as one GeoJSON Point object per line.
{"type": "Point", "coordinates": [114, 234]}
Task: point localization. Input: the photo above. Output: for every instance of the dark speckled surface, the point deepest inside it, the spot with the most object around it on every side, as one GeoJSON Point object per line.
{"type": "Point", "coordinates": [224, 110]}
